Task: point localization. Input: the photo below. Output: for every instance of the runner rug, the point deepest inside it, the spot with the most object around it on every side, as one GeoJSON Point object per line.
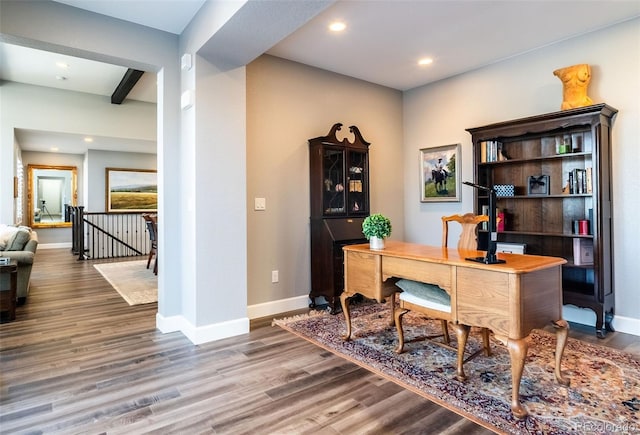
{"type": "Point", "coordinates": [132, 280]}
{"type": "Point", "coordinates": [603, 397]}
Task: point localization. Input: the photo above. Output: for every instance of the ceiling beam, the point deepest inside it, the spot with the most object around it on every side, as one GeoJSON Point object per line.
{"type": "Point", "coordinates": [127, 83]}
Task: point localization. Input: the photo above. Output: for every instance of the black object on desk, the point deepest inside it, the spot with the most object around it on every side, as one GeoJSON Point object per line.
{"type": "Point", "coordinates": [491, 257]}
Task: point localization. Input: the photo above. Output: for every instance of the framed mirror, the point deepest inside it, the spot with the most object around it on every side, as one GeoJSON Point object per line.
{"type": "Point", "coordinates": [49, 190]}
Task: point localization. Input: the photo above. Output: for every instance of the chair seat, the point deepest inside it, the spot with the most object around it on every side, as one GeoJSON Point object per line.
{"type": "Point", "coordinates": [435, 303]}
{"type": "Point", "coordinates": [424, 302]}
{"type": "Point", "coordinates": [425, 295]}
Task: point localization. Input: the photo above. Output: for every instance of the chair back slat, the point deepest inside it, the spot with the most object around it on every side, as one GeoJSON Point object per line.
{"type": "Point", "coordinates": [469, 235]}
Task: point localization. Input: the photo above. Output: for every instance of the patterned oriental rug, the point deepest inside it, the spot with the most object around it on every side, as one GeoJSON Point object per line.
{"type": "Point", "coordinates": [603, 397]}
{"type": "Point", "coordinates": [132, 280]}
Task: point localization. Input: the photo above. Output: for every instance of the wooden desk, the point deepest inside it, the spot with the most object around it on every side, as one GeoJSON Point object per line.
{"type": "Point", "coordinates": [510, 299]}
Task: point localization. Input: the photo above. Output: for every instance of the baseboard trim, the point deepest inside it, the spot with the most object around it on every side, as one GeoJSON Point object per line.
{"type": "Point", "coordinates": [272, 308]}
{"type": "Point", "coordinates": [627, 325]}
{"type": "Point", "coordinates": [585, 316]}
{"type": "Point", "coordinates": [54, 245]}
{"type": "Point", "coordinates": [202, 334]}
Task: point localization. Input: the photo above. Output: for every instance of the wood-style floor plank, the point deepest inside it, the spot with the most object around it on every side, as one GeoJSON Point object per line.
{"type": "Point", "coordinates": [79, 359]}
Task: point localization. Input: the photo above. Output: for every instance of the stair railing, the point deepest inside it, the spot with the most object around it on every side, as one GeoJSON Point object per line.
{"type": "Point", "coordinates": [107, 235]}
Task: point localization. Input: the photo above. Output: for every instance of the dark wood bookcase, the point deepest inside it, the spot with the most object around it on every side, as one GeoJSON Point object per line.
{"type": "Point", "coordinates": [339, 199]}
{"type": "Point", "coordinates": [568, 145]}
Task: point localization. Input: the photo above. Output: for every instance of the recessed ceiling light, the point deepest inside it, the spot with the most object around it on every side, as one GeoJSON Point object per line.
{"type": "Point", "coordinates": [88, 139]}
{"type": "Point", "coordinates": [337, 26]}
{"type": "Point", "coordinates": [54, 149]}
{"type": "Point", "coordinates": [425, 61]}
{"type": "Point", "coordinates": [62, 65]}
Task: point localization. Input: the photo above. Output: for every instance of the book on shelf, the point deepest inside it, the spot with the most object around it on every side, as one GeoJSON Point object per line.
{"type": "Point", "coordinates": [579, 178]}
{"type": "Point", "coordinates": [588, 180]}
{"type": "Point", "coordinates": [491, 151]}
{"type": "Point", "coordinates": [580, 181]}
{"type": "Point", "coordinates": [485, 211]}
{"type": "Point", "coordinates": [571, 185]}
{"type": "Point", "coordinates": [582, 252]}
{"type": "Point", "coordinates": [501, 220]}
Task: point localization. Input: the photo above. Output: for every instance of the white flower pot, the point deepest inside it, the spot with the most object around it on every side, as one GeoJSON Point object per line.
{"type": "Point", "coordinates": [376, 243]}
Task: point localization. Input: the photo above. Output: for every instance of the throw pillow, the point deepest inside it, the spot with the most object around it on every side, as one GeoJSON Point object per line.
{"type": "Point", "coordinates": [423, 290]}
{"type": "Point", "coordinates": [6, 232]}
{"type": "Point", "coordinates": [18, 241]}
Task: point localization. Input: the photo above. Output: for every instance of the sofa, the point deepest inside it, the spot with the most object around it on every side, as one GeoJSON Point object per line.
{"type": "Point", "coordinates": [19, 243]}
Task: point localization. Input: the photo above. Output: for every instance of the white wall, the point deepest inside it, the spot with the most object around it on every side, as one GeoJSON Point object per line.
{"type": "Point", "coordinates": [60, 28]}
{"type": "Point", "coordinates": [47, 109]}
{"type": "Point", "coordinates": [287, 104]}
{"type": "Point", "coordinates": [439, 113]}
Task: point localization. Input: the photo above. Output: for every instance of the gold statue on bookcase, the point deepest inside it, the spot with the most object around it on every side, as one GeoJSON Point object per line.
{"type": "Point", "coordinates": [575, 80]}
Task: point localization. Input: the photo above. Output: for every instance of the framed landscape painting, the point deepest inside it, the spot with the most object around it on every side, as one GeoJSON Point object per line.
{"type": "Point", "coordinates": [131, 190]}
{"type": "Point", "coordinates": [439, 174]}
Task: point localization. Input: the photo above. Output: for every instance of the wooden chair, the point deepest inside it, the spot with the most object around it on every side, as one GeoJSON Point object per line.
{"type": "Point", "coordinates": [435, 303]}
{"type": "Point", "coordinates": [152, 229]}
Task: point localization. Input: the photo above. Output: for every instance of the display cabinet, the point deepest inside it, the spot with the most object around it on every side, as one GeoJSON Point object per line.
{"type": "Point", "coordinates": [339, 200]}
{"type": "Point", "coordinates": [552, 173]}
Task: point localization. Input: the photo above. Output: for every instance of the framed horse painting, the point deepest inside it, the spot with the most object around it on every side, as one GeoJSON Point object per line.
{"type": "Point", "coordinates": [439, 174]}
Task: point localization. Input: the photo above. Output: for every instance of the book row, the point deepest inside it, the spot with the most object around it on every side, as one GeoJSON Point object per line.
{"type": "Point", "coordinates": [580, 181]}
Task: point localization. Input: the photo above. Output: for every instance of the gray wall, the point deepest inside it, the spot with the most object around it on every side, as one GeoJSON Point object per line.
{"type": "Point", "coordinates": [287, 104]}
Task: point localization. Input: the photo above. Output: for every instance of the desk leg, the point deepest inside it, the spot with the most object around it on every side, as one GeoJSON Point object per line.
{"type": "Point", "coordinates": [392, 307]}
{"type": "Point", "coordinates": [562, 331]}
{"type": "Point", "coordinates": [518, 352]}
{"type": "Point", "coordinates": [462, 334]}
{"type": "Point", "coordinates": [344, 301]}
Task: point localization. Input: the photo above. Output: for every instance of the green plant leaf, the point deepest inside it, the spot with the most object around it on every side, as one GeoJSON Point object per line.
{"type": "Point", "coordinates": [376, 225]}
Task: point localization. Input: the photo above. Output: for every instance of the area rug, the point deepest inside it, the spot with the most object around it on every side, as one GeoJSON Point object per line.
{"type": "Point", "coordinates": [135, 283]}
{"type": "Point", "coordinates": [603, 397]}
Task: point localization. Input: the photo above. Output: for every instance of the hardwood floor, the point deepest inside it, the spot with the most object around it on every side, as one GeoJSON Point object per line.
{"type": "Point", "coordinates": [79, 359]}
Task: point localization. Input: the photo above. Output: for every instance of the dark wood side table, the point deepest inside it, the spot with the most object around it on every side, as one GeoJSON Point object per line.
{"type": "Point", "coordinates": [8, 294]}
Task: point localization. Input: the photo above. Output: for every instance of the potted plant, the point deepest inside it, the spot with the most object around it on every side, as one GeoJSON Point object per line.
{"type": "Point", "coordinates": [376, 228]}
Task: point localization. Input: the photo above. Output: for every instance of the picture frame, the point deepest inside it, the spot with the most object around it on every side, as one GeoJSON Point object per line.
{"type": "Point", "coordinates": [131, 190]}
{"type": "Point", "coordinates": [538, 185]}
{"type": "Point", "coordinates": [439, 177]}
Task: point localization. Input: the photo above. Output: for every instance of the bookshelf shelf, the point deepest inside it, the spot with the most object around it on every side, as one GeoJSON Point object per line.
{"type": "Point", "coordinates": [542, 158]}
{"type": "Point", "coordinates": [542, 233]}
{"type": "Point", "coordinates": [571, 149]}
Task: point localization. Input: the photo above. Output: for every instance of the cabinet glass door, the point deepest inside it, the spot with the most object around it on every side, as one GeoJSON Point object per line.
{"type": "Point", "coordinates": [333, 195]}
{"type": "Point", "coordinates": [357, 168]}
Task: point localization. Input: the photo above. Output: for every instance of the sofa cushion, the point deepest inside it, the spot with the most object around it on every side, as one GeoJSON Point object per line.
{"type": "Point", "coordinates": [18, 240]}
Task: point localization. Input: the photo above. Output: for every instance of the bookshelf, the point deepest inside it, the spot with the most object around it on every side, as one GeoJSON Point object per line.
{"type": "Point", "coordinates": [570, 217]}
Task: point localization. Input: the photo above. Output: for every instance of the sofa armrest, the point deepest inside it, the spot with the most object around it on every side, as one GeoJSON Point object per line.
{"type": "Point", "coordinates": [23, 257]}
{"type": "Point", "coordinates": [31, 245]}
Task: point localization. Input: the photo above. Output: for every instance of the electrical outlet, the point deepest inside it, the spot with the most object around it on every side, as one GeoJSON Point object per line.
{"type": "Point", "coordinates": [274, 276]}
{"type": "Point", "coordinates": [260, 204]}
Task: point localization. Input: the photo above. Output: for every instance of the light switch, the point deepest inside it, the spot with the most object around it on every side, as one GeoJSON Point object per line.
{"type": "Point", "coordinates": [260, 204]}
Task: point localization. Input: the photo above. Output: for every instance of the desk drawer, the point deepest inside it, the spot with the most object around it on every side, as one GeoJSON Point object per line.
{"type": "Point", "coordinates": [432, 273]}
{"type": "Point", "coordinates": [362, 274]}
{"type": "Point", "coordinates": [483, 299]}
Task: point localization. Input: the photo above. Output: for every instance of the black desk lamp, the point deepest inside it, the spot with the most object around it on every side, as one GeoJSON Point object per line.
{"type": "Point", "coordinates": [491, 257]}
